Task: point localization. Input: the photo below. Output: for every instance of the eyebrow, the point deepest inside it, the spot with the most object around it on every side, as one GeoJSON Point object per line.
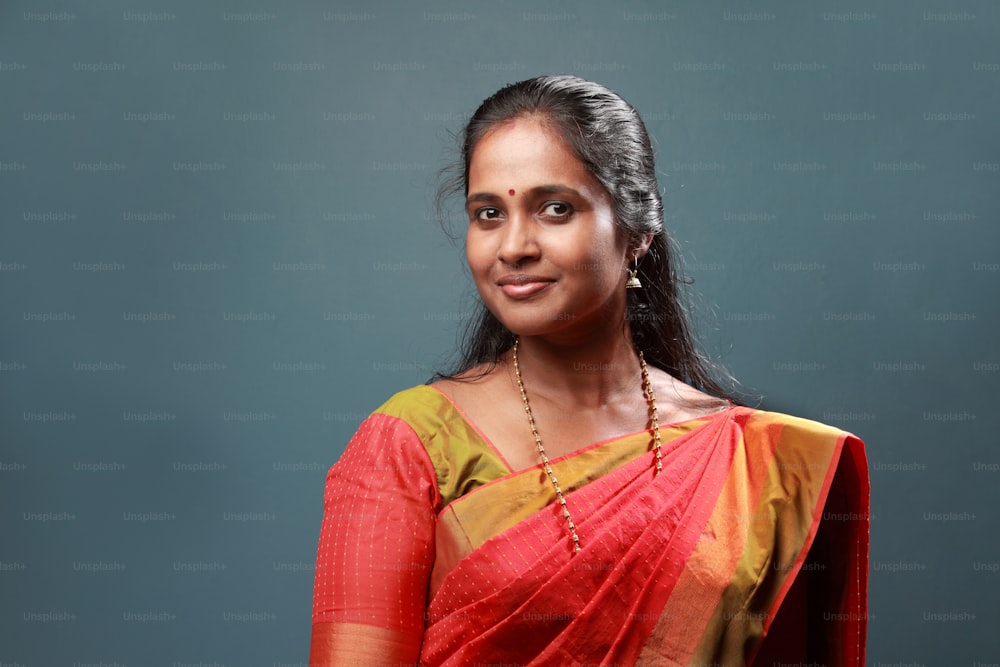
{"type": "Point", "coordinates": [552, 189]}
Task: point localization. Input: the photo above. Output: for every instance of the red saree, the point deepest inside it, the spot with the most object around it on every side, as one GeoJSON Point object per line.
{"type": "Point", "coordinates": [750, 547]}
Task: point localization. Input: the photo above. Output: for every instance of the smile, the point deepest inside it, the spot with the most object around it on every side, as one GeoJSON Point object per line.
{"type": "Point", "coordinates": [523, 286]}
{"type": "Point", "coordinates": [525, 290]}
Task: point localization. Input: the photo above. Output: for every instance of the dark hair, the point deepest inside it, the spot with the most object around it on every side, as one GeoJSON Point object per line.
{"type": "Point", "coordinates": [607, 135]}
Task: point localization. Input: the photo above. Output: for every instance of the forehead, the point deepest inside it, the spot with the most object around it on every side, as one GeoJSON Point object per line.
{"type": "Point", "coordinates": [526, 149]}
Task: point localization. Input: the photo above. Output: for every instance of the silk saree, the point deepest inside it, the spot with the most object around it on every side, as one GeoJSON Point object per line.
{"type": "Point", "coordinates": [750, 547]}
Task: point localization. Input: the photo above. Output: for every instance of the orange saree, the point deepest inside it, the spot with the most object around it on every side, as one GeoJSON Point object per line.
{"type": "Point", "coordinates": [749, 547]}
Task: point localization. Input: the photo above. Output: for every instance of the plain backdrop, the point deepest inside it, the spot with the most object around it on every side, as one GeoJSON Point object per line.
{"type": "Point", "coordinates": [218, 254]}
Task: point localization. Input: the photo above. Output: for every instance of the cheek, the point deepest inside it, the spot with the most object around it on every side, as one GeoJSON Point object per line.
{"type": "Point", "coordinates": [611, 276]}
{"type": "Point", "coordinates": [607, 262]}
{"type": "Point", "coordinates": [475, 256]}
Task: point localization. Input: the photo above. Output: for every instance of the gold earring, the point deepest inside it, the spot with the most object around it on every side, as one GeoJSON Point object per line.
{"type": "Point", "coordinates": [633, 278]}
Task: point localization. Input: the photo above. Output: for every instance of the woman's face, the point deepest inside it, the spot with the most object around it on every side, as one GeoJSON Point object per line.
{"type": "Point", "coordinates": [542, 244]}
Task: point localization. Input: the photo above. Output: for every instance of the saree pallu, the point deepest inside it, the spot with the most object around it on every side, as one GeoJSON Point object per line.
{"type": "Point", "coordinates": [749, 547]}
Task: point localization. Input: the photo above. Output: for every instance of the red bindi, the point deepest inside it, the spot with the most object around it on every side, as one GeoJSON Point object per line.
{"type": "Point", "coordinates": [511, 192]}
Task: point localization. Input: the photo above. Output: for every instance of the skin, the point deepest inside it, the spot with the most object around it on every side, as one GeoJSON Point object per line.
{"type": "Point", "coordinates": [538, 218]}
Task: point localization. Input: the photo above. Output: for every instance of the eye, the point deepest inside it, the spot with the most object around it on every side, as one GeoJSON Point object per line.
{"type": "Point", "coordinates": [486, 213]}
{"type": "Point", "coordinates": [557, 209]}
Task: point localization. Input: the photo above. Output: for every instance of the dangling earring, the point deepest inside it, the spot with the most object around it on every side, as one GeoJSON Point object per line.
{"type": "Point", "coordinates": [633, 278]}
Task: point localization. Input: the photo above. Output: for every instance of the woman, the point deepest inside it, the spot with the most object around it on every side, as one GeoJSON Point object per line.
{"type": "Point", "coordinates": [582, 492]}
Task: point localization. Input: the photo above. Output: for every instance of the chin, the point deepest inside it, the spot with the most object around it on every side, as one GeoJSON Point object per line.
{"type": "Point", "coordinates": [526, 326]}
{"type": "Point", "coordinates": [537, 326]}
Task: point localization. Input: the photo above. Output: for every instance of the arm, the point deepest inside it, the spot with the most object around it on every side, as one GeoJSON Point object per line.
{"type": "Point", "coordinates": [376, 549]}
{"type": "Point", "coordinates": [824, 615]}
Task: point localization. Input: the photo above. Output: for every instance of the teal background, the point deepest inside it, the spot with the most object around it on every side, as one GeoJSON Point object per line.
{"type": "Point", "coordinates": [218, 254]}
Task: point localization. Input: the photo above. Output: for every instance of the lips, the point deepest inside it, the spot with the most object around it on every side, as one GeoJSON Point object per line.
{"type": "Point", "coordinates": [521, 285]}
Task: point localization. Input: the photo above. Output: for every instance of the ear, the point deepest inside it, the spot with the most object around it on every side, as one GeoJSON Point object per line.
{"type": "Point", "coordinates": [641, 246]}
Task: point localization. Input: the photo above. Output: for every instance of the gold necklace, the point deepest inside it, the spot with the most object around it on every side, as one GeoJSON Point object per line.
{"type": "Point", "coordinates": [647, 392]}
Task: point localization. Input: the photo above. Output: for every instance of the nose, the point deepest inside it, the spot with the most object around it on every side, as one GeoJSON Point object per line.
{"type": "Point", "coordinates": [518, 243]}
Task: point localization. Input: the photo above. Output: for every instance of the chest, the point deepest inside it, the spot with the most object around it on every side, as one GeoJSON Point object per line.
{"type": "Point", "coordinates": [561, 431]}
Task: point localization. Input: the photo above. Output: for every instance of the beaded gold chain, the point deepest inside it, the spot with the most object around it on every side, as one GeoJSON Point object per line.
{"type": "Point", "coordinates": [647, 391]}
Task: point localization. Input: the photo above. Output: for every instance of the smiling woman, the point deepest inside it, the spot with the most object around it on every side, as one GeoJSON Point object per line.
{"type": "Point", "coordinates": [581, 489]}
{"type": "Point", "coordinates": [547, 261]}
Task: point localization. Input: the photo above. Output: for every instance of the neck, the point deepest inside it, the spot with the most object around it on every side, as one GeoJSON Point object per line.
{"type": "Point", "coordinates": [589, 374]}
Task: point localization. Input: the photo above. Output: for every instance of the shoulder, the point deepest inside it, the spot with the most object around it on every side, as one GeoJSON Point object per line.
{"type": "Point", "coordinates": [401, 427]}
{"type": "Point", "coordinates": [432, 414]}
{"type": "Point", "coordinates": [423, 411]}
{"type": "Point", "coordinates": [459, 455]}
{"type": "Point", "coordinates": [678, 401]}
{"type": "Point", "coordinates": [474, 390]}
{"type": "Point", "coordinates": [793, 462]}
{"type": "Point", "coordinates": [407, 415]}
{"type": "Point", "coordinates": [766, 424]}
{"type": "Point", "coordinates": [412, 403]}
{"type": "Point", "coordinates": [763, 426]}
{"type": "Point", "coordinates": [388, 454]}
{"type": "Point", "coordinates": [795, 446]}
